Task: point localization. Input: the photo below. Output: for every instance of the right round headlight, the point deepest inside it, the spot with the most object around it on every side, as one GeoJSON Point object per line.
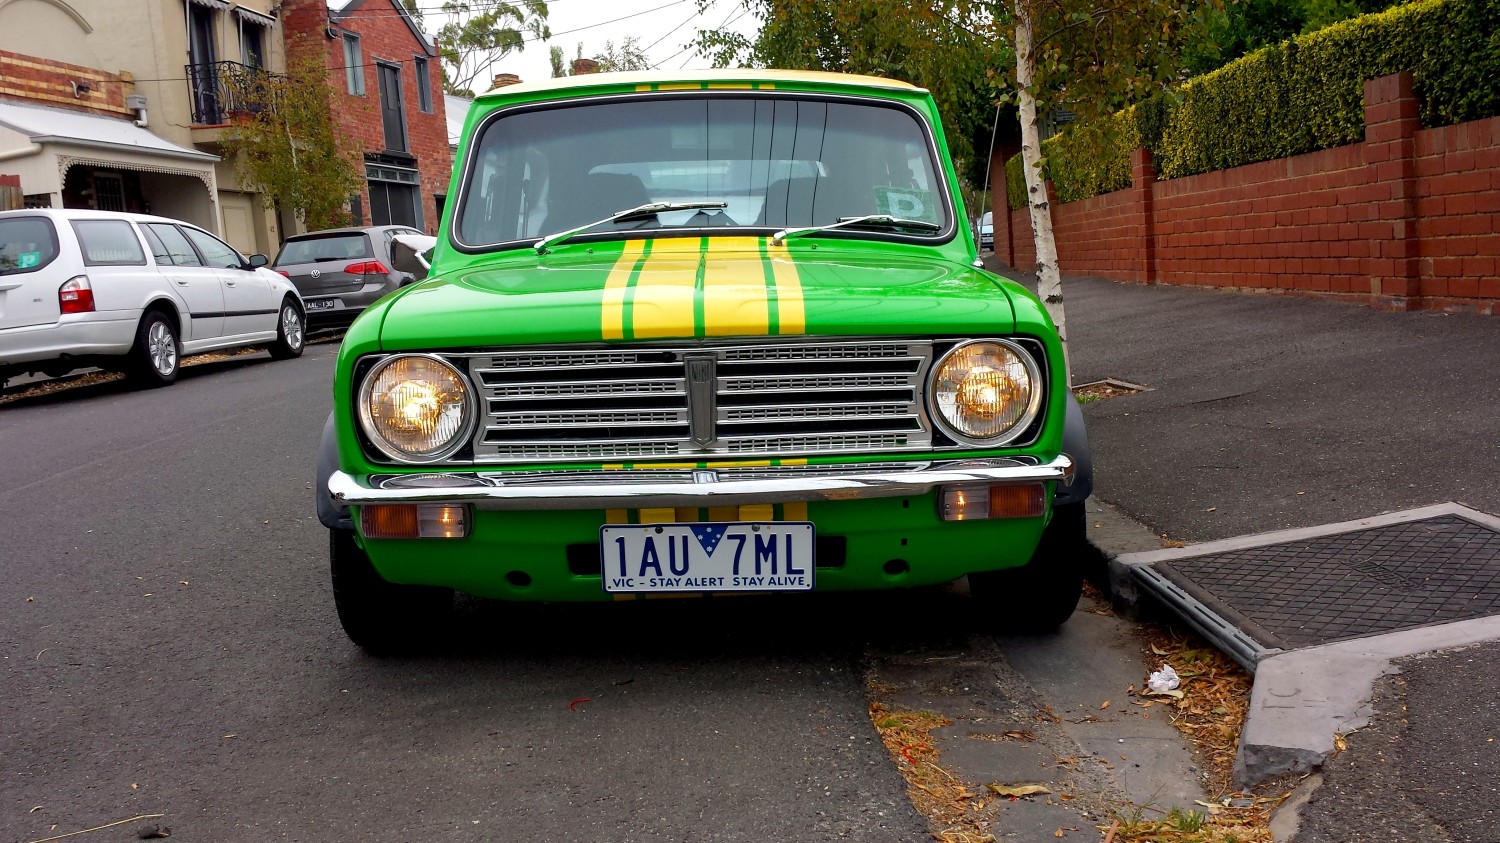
{"type": "Point", "coordinates": [985, 392]}
{"type": "Point", "coordinates": [416, 408]}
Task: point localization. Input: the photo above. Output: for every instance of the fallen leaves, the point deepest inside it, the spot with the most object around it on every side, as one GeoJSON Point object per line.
{"type": "Point", "coordinates": [955, 814]}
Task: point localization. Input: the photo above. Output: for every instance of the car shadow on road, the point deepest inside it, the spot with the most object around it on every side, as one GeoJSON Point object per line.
{"type": "Point", "coordinates": [714, 628]}
{"type": "Point", "coordinates": [98, 384]}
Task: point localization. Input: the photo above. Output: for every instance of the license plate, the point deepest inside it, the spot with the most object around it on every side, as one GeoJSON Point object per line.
{"type": "Point", "coordinates": [739, 556]}
{"type": "Point", "coordinates": [322, 304]}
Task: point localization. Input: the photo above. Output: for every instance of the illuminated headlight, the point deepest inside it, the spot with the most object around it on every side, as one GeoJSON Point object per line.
{"type": "Point", "coordinates": [985, 392]}
{"type": "Point", "coordinates": [416, 408]}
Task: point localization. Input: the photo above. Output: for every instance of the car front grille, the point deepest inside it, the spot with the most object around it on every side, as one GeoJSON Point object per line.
{"type": "Point", "coordinates": [701, 401]}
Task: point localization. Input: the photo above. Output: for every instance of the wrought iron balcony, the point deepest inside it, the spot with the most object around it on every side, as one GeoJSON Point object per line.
{"type": "Point", "coordinates": [223, 89]}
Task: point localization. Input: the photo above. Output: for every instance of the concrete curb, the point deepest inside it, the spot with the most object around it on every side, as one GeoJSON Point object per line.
{"type": "Point", "coordinates": [1302, 699]}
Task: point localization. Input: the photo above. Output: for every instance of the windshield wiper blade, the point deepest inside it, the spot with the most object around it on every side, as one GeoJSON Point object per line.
{"type": "Point", "coordinates": [650, 209]}
{"type": "Point", "coordinates": [873, 220]}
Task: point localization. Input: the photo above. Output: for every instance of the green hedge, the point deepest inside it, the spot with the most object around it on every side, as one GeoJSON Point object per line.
{"type": "Point", "coordinates": [1298, 96]}
{"type": "Point", "coordinates": [1015, 183]}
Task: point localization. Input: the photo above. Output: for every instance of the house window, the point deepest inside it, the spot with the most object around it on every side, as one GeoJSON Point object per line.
{"type": "Point", "coordinates": [392, 110]}
{"type": "Point", "coordinates": [253, 45]}
{"type": "Point", "coordinates": [354, 71]}
{"type": "Point", "coordinates": [424, 85]}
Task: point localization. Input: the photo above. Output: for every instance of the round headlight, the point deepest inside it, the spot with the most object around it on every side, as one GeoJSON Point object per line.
{"type": "Point", "coordinates": [985, 392]}
{"type": "Point", "coordinates": [416, 408]}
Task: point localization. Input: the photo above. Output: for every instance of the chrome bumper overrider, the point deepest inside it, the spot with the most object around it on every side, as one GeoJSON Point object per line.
{"type": "Point", "coordinates": [638, 488]}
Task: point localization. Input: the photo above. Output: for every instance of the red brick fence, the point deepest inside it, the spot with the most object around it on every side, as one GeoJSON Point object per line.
{"type": "Point", "coordinates": [1409, 219]}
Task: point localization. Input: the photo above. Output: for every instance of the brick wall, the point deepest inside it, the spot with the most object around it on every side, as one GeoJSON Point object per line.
{"type": "Point", "coordinates": [46, 82]}
{"type": "Point", "coordinates": [384, 37]}
{"type": "Point", "coordinates": [1406, 219]}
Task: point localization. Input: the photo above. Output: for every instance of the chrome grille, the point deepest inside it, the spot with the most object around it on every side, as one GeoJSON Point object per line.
{"type": "Point", "coordinates": [766, 399]}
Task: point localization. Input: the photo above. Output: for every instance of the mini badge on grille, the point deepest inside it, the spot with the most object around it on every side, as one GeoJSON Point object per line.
{"type": "Point", "coordinates": [700, 377]}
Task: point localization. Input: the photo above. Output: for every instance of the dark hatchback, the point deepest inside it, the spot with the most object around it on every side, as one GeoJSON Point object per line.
{"type": "Point", "coordinates": [341, 271]}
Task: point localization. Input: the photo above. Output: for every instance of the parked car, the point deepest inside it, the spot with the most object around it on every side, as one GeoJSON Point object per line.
{"type": "Point", "coordinates": [341, 271]}
{"type": "Point", "coordinates": [701, 334]}
{"type": "Point", "coordinates": [987, 231]}
{"type": "Point", "coordinates": [85, 288]}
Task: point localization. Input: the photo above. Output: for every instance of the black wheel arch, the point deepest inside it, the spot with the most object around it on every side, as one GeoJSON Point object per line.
{"type": "Point", "coordinates": [335, 516]}
{"type": "Point", "coordinates": [1076, 445]}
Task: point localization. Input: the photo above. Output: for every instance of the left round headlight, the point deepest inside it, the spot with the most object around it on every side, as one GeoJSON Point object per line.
{"type": "Point", "coordinates": [986, 392]}
{"type": "Point", "coordinates": [416, 408]}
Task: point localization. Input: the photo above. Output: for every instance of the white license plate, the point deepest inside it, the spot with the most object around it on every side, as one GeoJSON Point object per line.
{"type": "Point", "coordinates": [322, 304]}
{"type": "Point", "coordinates": [740, 556]}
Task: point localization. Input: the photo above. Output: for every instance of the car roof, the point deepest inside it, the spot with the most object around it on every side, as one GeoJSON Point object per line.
{"type": "Point", "coordinates": [703, 77]}
{"type": "Point", "coordinates": [85, 213]}
{"type": "Point", "coordinates": [325, 232]}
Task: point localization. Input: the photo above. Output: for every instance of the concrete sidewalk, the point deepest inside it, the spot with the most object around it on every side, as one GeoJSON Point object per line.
{"type": "Point", "coordinates": [1268, 412]}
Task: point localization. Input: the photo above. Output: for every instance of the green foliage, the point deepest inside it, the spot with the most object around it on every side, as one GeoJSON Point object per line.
{"type": "Point", "coordinates": [285, 143]}
{"type": "Point", "coordinates": [940, 46]}
{"type": "Point", "coordinates": [1092, 158]}
{"type": "Point", "coordinates": [627, 56]}
{"type": "Point", "coordinates": [1245, 26]}
{"type": "Point", "coordinates": [1308, 93]}
{"type": "Point", "coordinates": [482, 32]}
{"type": "Point", "coordinates": [1292, 97]}
{"type": "Point", "coordinates": [1015, 183]}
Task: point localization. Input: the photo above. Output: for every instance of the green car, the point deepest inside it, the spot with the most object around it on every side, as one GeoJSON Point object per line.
{"type": "Point", "coordinates": [703, 334]}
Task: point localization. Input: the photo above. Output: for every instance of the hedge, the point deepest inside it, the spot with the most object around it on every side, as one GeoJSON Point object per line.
{"type": "Point", "coordinates": [1298, 96]}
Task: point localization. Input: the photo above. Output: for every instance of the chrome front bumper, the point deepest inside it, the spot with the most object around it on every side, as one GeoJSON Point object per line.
{"type": "Point", "coordinates": [645, 488]}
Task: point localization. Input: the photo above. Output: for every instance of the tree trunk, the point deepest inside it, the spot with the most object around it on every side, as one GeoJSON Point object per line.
{"type": "Point", "coordinates": [1049, 278]}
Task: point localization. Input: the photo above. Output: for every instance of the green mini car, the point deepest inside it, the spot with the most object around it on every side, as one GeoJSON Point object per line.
{"type": "Point", "coordinates": [704, 334]}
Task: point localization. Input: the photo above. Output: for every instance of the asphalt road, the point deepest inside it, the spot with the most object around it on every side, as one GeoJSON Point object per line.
{"type": "Point", "coordinates": [1271, 412]}
{"type": "Point", "coordinates": [168, 645]}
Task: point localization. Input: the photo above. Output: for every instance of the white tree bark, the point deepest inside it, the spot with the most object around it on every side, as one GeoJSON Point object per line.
{"type": "Point", "coordinates": [1049, 278]}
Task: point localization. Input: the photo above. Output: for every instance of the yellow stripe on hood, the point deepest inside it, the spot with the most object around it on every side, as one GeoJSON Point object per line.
{"type": "Point", "coordinates": [666, 290]}
{"type": "Point", "coordinates": [616, 286]}
{"type": "Point", "coordinates": [735, 299]}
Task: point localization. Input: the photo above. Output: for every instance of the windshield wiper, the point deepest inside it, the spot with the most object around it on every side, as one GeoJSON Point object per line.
{"type": "Point", "coordinates": [650, 209]}
{"type": "Point", "coordinates": [871, 220]}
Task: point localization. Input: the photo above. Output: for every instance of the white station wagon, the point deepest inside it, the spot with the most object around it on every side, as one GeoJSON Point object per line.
{"type": "Point", "coordinates": [134, 292]}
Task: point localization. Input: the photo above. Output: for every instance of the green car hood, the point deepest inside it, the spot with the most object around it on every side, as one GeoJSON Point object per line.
{"type": "Point", "coordinates": [696, 287]}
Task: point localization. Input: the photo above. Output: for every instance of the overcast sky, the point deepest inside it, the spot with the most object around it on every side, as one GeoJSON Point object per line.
{"type": "Point", "coordinates": [663, 29]}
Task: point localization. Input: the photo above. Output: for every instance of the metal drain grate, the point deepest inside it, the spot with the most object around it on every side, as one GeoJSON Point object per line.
{"type": "Point", "coordinates": [1316, 589]}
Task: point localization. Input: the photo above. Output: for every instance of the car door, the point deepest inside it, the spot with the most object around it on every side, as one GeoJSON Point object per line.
{"type": "Point", "coordinates": [251, 304]}
{"type": "Point", "coordinates": [30, 271]}
{"type": "Point", "coordinates": [197, 285]}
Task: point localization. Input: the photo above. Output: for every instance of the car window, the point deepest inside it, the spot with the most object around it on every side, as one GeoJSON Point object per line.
{"type": "Point", "coordinates": [109, 243]}
{"type": "Point", "coordinates": [215, 252]}
{"type": "Point", "coordinates": [334, 247]}
{"type": "Point", "coordinates": [26, 244]}
{"type": "Point", "coordinates": [773, 161]}
{"type": "Point", "coordinates": [175, 250]}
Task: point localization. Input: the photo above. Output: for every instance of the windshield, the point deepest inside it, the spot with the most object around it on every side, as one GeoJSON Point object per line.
{"type": "Point", "coordinates": [335, 247]}
{"type": "Point", "coordinates": [775, 163]}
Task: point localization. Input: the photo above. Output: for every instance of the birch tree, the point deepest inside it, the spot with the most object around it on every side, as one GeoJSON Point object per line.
{"type": "Point", "coordinates": [1091, 57]}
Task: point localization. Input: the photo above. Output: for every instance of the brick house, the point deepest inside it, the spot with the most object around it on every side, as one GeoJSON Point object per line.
{"type": "Point", "coordinates": [123, 106]}
{"type": "Point", "coordinates": [385, 89]}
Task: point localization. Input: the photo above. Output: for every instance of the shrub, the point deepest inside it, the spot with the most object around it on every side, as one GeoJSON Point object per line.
{"type": "Point", "coordinates": [1298, 96]}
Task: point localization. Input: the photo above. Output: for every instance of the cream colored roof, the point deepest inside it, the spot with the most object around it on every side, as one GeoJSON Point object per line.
{"type": "Point", "coordinates": [690, 77]}
{"type": "Point", "coordinates": [42, 125]}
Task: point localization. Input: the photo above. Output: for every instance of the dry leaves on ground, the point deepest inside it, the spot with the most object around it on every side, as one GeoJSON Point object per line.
{"type": "Point", "coordinates": [955, 813]}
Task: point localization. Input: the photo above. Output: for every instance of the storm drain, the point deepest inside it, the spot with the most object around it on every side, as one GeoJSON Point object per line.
{"type": "Point", "coordinates": [1301, 588]}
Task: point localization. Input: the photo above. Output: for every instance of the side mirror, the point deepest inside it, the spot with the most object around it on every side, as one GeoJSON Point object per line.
{"type": "Point", "coordinates": [257, 261]}
{"type": "Point", "coordinates": [410, 252]}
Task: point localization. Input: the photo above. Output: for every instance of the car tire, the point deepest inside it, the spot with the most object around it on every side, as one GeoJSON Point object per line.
{"type": "Point", "coordinates": [1042, 594]}
{"type": "Point", "coordinates": [383, 618]}
{"type": "Point", "coordinates": [156, 357]}
{"type": "Point", "coordinates": [291, 332]}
